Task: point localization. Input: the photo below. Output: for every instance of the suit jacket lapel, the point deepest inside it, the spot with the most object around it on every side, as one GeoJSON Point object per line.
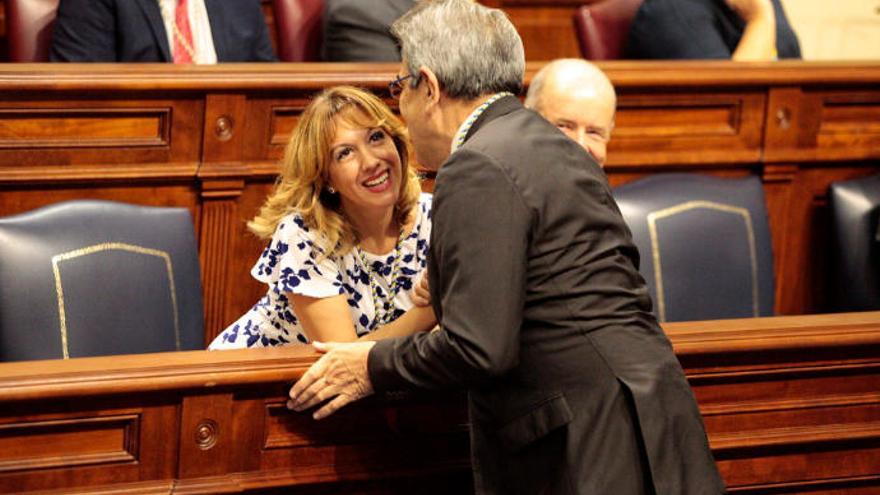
{"type": "Point", "coordinates": [154, 19]}
{"type": "Point", "coordinates": [217, 22]}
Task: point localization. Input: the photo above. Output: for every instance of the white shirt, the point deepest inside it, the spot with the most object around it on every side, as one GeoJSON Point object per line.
{"type": "Point", "coordinates": [203, 40]}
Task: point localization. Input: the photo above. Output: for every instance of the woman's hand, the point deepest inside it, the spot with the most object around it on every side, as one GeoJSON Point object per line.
{"type": "Point", "coordinates": [421, 294]}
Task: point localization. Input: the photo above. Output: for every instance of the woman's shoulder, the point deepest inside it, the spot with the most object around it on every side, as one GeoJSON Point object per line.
{"type": "Point", "coordinates": [424, 206]}
{"type": "Point", "coordinates": [293, 241]}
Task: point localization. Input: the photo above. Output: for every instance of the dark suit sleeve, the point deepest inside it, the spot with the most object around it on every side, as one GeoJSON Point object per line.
{"type": "Point", "coordinates": [676, 30]}
{"type": "Point", "coordinates": [85, 31]}
{"type": "Point", "coordinates": [239, 30]}
{"type": "Point", "coordinates": [480, 238]}
{"type": "Point", "coordinates": [358, 31]}
{"type": "Point", "coordinates": [262, 49]}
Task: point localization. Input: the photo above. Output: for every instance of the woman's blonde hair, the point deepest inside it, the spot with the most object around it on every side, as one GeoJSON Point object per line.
{"type": "Point", "coordinates": [301, 185]}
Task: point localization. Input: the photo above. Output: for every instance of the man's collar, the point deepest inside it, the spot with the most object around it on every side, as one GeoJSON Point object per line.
{"type": "Point", "coordinates": [469, 124]}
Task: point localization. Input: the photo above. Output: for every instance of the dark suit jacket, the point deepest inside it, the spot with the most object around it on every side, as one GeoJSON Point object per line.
{"type": "Point", "coordinates": [358, 30]}
{"type": "Point", "coordinates": [573, 387]}
{"type": "Point", "coordinates": [697, 29]}
{"type": "Point", "coordinates": [133, 31]}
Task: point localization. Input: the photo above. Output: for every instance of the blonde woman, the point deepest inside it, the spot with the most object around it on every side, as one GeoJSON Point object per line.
{"type": "Point", "coordinates": [348, 231]}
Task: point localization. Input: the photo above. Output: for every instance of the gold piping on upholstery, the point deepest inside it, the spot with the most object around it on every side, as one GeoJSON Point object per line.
{"type": "Point", "coordinates": [654, 216]}
{"type": "Point", "coordinates": [56, 269]}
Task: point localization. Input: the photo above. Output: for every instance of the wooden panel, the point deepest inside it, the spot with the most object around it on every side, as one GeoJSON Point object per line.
{"type": "Point", "coordinates": [86, 442]}
{"type": "Point", "coordinates": [58, 128]}
{"type": "Point", "coordinates": [274, 120]}
{"type": "Point", "coordinates": [785, 415]}
{"type": "Point", "coordinates": [667, 128]}
{"type": "Point", "coordinates": [822, 124]}
{"type": "Point", "coordinates": [70, 442]}
{"type": "Point", "coordinates": [790, 405]}
{"type": "Point", "coordinates": [77, 137]}
{"type": "Point", "coordinates": [205, 435]}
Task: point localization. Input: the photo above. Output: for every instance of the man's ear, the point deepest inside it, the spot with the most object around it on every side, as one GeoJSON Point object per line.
{"type": "Point", "coordinates": [432, 85]}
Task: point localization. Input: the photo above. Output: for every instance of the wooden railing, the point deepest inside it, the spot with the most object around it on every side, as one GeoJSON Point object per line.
{"type": "Point", "coordinates": [791, 405]}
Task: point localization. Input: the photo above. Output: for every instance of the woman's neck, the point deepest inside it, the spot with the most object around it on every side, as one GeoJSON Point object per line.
{"type": "Point", "coordinates": [377, 231]}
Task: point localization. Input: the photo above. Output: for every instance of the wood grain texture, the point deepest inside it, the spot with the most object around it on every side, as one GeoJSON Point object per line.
{"type": "Point", "coordinates": [791, 405]}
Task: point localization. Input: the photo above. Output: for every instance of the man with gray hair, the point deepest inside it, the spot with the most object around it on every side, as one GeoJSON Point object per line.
{"type": "Point", "coordinates": [577, 97]}
{"type": "Point", "coordinates": [573, 387]}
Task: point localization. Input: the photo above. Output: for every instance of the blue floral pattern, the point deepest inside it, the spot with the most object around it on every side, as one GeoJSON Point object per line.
{"type": "Point", "coordinates": [289, 264]}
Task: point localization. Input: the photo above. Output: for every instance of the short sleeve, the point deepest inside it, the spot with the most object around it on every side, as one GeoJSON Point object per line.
{"type": "Point", "coordinates": [293, 262]}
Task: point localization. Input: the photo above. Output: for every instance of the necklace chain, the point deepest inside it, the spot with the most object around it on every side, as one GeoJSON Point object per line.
{"type": "Point", "coordinates": [469, 122]}
{"type": "Point", "coordinates": [175, 31]}
{"type": "Point", "coordinates": [384, 307]}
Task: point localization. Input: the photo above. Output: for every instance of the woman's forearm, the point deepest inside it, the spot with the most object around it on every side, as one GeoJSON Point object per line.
{"type": "Point", "coordinates": [417, 319]}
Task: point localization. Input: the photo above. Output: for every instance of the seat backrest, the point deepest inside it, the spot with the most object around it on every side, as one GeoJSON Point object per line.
{"type": "Point", "coordinates": [90, 278]}
{"type": "Point", "coordinates": [602, 27]}
{"type": "Point", "coordinates": [29, 26]}
{"type": "Point", "coordinates": [299, 29]}
{"type": "Point", "coordinates": [855, 249]}
{"type": "Point", "coordinates": [705, 245]}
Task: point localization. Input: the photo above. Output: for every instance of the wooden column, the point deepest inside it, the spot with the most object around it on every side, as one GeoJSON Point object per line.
{"type": "Point", "coordinates": [221, 177]}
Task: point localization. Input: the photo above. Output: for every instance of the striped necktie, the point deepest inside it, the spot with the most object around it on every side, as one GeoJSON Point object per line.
{"type": "Point", "coordinates": [183, 40]}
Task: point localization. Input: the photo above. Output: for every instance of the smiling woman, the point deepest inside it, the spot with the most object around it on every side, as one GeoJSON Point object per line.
{"type": "Point", "coordinates": [347, 228]}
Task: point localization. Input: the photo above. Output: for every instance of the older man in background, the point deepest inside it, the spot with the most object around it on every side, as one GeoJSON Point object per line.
{"type": "Point", "coordinates": [577, 97]}
{"type": "Point", "coordinates": [573, 388]}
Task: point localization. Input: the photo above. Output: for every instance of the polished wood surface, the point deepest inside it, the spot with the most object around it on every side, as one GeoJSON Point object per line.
{"type": "Point", "coordinates": [791, 405]}
{"type": "Point", "coordinates": [208, 138]}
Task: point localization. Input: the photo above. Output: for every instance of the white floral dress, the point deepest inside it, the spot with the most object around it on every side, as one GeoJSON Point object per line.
{"type": "Point", "coordinates": [289, 264]}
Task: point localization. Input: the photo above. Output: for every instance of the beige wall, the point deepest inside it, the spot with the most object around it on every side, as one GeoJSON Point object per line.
{"type": "Point", "coordinates": [836, 29]}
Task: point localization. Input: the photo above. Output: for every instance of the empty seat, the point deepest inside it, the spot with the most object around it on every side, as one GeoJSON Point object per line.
{"type": "Point", "coordinates": [88, 278]}
{"type": "Point", "coordinates": [29, 26]}
{"type": "Point", "coordinates": [855, 251]}
{"type": "Point", "coordinates": [299, 29]}
{"type": "Point", "coordinates": [602, 28]}
{"type": "Point", "coordinates": [705, 245]}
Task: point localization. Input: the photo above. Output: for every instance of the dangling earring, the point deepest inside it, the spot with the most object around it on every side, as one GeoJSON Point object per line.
{"type": "Point", "coordinates": [331, 190]}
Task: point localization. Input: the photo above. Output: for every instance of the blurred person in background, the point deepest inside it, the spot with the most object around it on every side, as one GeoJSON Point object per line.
{"type": "Point", "coordinates": [178, 31]}
{"type": "Point", "coordinates": [359, 30]}
{"type": "Point", "coordinates": [749, 30]}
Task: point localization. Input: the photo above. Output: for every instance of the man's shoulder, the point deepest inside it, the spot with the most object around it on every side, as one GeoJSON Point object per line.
{"type": "Point", "coordinates": [386, 8]}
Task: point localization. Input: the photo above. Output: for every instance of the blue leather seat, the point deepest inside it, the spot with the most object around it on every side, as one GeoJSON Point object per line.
{"type": "Point", "coordinates": [705, 245]}
{"type": "Point", "coordinates": [89, 278]}
{"type": "Point", "coordinates": [855, 221]}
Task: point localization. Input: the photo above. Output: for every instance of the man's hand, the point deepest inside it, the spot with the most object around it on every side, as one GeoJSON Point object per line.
{"type": "Point", "coordinates": [421, 294]}
{"type": "Point", "coordinates": [340, 374]}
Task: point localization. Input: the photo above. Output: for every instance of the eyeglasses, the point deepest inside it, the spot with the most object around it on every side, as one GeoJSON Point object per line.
{"type": "Point", "coordinates": [395, 87]}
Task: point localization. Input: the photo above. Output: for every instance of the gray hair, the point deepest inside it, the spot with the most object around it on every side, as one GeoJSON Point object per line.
{"type": "Point", "coordinates": [568, 71]}
{"type": "Point", "coordinates": [473, 50]}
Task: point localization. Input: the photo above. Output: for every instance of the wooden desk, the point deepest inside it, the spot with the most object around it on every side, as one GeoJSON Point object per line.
{"type": "Point", "coordinates": [208, 138]}
{"type": "Point", "coordinates": [791, 404]}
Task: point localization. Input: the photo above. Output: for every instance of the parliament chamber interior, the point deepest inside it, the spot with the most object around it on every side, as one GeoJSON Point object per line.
{"type": "Point", "coordinates": [776, 322]}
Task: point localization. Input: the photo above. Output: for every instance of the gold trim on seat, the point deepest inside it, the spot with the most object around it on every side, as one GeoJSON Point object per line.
{"type": "Point", "coordinates": [118, 246]}
{"type": "Point", "coordinates": [654, 216]}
